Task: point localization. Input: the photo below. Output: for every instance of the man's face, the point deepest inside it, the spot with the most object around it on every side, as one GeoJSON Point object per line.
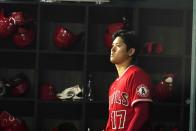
{"type": "Point", "coordinates": [119, 53]}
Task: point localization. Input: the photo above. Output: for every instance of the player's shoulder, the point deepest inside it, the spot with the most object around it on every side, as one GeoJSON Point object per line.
{"type": "Point", "coordinates": [136, 70]}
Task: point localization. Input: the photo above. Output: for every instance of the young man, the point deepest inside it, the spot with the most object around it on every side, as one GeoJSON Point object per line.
{"type": "Point", "coordinates": [130, 94]}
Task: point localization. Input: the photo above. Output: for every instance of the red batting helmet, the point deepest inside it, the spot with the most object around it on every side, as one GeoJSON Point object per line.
{"type": "Point", "coordinates": [20, 18]}
{"type": "Point", "coordinates": [158, 48]}
{"type": "Point", "coordinates": [63, 37]}
{"type": "Point", "coordinates": [6, 26]}
{"type": "Point", "coordinates": [48, 92]}
{"type": "Point", "coordinates": [10, 123]}
{"type": "Point", "coordinates": [23, 37]}
{"type": "Point", "coordinates": [165, 87]}
{"type": "Point", "coordinates": [112, 28]}
{"type": "Point", "coordinates": [18, 85]}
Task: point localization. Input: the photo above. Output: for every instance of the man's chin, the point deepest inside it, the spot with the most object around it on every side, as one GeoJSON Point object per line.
{"type": "Point", "coordinates": [112, 61]}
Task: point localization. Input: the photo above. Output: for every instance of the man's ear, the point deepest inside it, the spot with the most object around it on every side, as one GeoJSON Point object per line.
{"type": "Point", "coordinates": [131, 51]}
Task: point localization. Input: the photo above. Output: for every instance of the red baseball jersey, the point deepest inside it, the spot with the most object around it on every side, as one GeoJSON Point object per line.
{"type": "Point", "coordinates": [131, 87]}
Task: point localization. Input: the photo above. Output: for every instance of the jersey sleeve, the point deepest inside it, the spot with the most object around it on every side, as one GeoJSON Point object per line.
{"type": "Point", "coordinates": [140, 88]}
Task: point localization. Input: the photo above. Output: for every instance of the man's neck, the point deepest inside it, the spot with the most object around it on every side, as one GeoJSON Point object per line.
{"type": "Point", "coordinates": [121, 68]}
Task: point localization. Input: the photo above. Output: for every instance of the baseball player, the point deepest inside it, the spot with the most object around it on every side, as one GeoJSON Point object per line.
{"type": "Point", "coordinates": [131, 94]}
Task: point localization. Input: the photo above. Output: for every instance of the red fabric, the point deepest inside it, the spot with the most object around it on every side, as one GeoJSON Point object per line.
{"type": "Point", "coordinates": [141, 115]}
{"type": "Point", "coordinates": [133, 87]}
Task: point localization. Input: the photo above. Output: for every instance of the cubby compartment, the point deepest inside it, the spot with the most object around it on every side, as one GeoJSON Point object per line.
{"type": "Point", "coordinates": [96, 114]}
{"type": "Point", "coordinates": [96, 124]}
{"type": "Point", "coordinates": [30, 9]}
{"type": "Point", "coordinates": [162, 121]}
{"type": "Point", "coordinates": [163, 35]}
{"type": "Point", "coordinates": [167, 30]}
{"type": "Point", "coordinates": [22, 32]}
{"type": "Point", "coordinates": [162, 26]}
{"type": "Point", "coordinates": [163, 64]}
{"type": "Point", "coordinates": [48, 124]}
{"type": "Point", "coordinates": [17, 60]}
{"type": "Point", "coordinates": [18, 107]}
{"type": "Point", "coordinates": [60, 80]}
{"type": "Point", "coordinates": [98, 15]}
{"type": "Point", "coordinates": [60, 110]}
{"type": "Point", "coordinates": [50, 31]}
{"type": "Point", "coordinates": [52, 114]}
{"type": "Point", "coordinates": [96, 119]}
{"type": "Point", "coordinates": [98, 22]}
{"type": "Point", "coordinates": [173, 112]}
{"type": "Point", "coordinates": [22, 110]}
{"type": "Point", "coordinates": [62, 13]}
{"type": "Point", "coordinates": [73, 61]}
{"type": "Point", "coordinates": [101, 82]}
{"type": "Point", "coordinates": [9, 76]}
{"type": "Point", "coordinates": [55, 26]}
{"type": "Point", "coordinates": [99, 62]}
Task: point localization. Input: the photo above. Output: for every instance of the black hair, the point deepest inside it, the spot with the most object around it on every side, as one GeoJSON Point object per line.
{"type": "Point", "coordinates": [129, 38]}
